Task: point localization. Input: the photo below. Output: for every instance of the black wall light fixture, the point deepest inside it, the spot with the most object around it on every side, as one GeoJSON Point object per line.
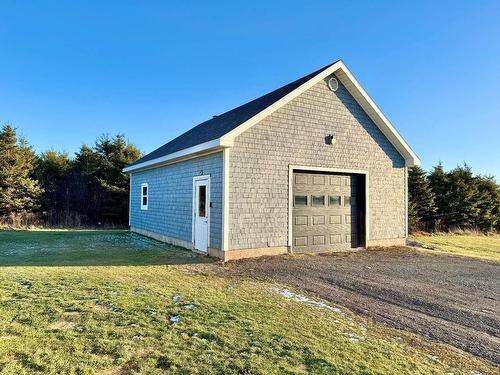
{"type": "Point", "coordinates": [329, 140]}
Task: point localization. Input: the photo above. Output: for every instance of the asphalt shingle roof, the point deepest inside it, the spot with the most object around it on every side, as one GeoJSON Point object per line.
{"type": "Point", "coordinates": [219, 125]}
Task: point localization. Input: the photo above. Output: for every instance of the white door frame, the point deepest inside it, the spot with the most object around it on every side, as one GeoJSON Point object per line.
{"type": "Point", "coordinates": [194, 208]}
{"type": "Point", "coordinates": [291, 168]}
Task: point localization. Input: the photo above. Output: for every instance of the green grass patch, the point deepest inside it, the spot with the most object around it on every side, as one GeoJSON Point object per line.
{"type": "Point", "coordinates": [87, 248]}
{"type": "Point", "coordinates": [477, 246]}
{"type": "Point", "coordinates": [183, 319]}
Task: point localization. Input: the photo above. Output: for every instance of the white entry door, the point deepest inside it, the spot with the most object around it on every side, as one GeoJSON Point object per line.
{"type": "Point", "coordinates": [201, 212]}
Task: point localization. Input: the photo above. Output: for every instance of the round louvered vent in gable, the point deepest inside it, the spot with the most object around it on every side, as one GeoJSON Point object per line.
{"type": "Point", "coordinates": [333, 84]}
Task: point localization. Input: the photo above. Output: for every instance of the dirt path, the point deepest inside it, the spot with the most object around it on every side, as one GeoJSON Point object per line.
{"type": "Point", "coordinates": [455, 300]}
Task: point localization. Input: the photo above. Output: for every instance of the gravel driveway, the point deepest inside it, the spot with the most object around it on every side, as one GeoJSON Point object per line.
{"type": "Point", "coordinates": [455, 300]}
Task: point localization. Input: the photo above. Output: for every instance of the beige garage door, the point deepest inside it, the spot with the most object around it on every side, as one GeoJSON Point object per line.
{"type": "Point", "coordinates": [325, 212]}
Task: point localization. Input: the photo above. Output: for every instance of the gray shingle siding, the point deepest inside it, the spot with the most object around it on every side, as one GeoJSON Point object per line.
{"type": "Point", "coordinates": [294, 135]}
{"type": "Point", "coordinates": [170, 207]}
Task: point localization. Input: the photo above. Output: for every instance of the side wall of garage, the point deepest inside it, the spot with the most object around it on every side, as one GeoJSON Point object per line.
{"type": "Point", "coordinates": [295, 135]}
{"type": "Point", "coordinates": [170, 209]}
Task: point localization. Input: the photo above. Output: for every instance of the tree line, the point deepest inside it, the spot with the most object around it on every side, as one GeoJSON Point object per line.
{"type": "Point", "coordinates": [54, 189]}
{"type": "Point", "coordinates": [90, 189]}
{"type": "Point", "coordinates": [453, 200]}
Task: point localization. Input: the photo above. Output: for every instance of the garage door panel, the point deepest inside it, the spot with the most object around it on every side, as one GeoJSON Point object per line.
{"type": "Point", "coordinates": [335, 180]}
{"type": "Point", "coordinates": [325, 213]}
{"type": "Point", "coordinates": [319, 180]}
{"type": "Point", "coordinates": [335, 239]}
{"type": "Point", "coordinates": [318, 240]}
{"type": "Point", "coordinates": [301, 220]}
{"type": "Point", "coordinates": [335, 219]}
{"type": "Point", "coordinates": [319, 220]}
{"type": "Point", "coordinates": [300, 241]}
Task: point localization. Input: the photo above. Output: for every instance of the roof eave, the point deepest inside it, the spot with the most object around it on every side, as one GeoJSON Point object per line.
{"type": "Point", "coordinates": [347, 79]}
{"type": "Point", "coordinates": [373, 111]}
{"type": "Point", "coordinates": [175, 157]}
{"type": "Point", "coordinates": [357, 91]}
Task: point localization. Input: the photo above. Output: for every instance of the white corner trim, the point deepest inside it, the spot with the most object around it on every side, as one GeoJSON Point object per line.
{"type": "Point", "coordinates": [129, 200]}
{"type": "Point", "coordinates": [225, 199]}
{"type": "Point", "coordinates": [406, 202]}
{"type": "Point", "coordinates": [290, 207]}
{"type": "Point", "coordinates": [291, 168]}
{"type": "Point", "coordinates": [214, 145]}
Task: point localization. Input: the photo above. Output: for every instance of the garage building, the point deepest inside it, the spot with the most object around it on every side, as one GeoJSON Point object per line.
{"type": "Point", "coordinates": [313, 166]}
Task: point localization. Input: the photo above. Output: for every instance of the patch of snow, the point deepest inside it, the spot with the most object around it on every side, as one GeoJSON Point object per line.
{"type": "Point", "coordinates": [174, 319]}
{"type": "Point", "coordinates": [62, 326]}
{"type": "Point", "coordinates": [321, 305]}
{"type": "Point", "coordinates": [189, 306]}
{"type": "Point", "coordinates": [414, 243]}
{"type": "Point", "coordinates": [25, 284]}
{"type": "Point", "coordinates": [307, 301]}
{"type": "Point", "coordinates": [475, 372]}
{"type": "Point", "coordinates": [206, 341]}
{"type": "Point", "coordinates": [176, 298]}
{"type": "Point", "coordinates": [203, 339]}
{"type": "Point", "coordinates": [112, 307]}
{"type": "Point", "coordinates": [354, 338]}
{"type": "Point", "coordinates": [322, 363]}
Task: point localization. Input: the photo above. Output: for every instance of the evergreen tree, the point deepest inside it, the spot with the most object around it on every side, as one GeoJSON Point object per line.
{"type": "Point", "coordinates": [113, 155]}
{"type": "Point", "coordinates": [51, 172]}
{"type": "Point", "coordinates": [421, 206]}
{"type": "Point", "coordinates": [462, 201]}
{"type": "Point", "coordinates": [86, 160]}
{"type": "Point", "coordinates": [438, 182]}
{"type": "Point", "coordinates": [108, 186]}
{"type": "Point", "coordinates": [19, 192]}
{"type": "Point", "coordinates": [488, 204]}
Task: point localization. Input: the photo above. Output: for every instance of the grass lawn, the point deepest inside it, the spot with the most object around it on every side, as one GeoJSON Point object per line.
{"type": "Point", "coordinates": [179, 317]}
{"type": "Point", "coordinates": [87, 248]}
{"type": "Point", "coordinates": [484, 247]}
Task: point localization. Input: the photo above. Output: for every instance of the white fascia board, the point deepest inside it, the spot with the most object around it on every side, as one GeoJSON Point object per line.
{"type": "Point", "coordinates": [369, 106]}
{"type": "Point", "coordinates": [353, 86]}
{"type": "Point", "coordinates": [230, 136]}
{"type": "Point", "coordinates": [179, 155]}
{"type": "Point", "coordinates": [347, 79]}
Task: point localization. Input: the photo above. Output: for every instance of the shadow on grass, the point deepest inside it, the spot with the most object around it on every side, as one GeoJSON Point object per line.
{"type": "Point", "coordinates": [89, 248]}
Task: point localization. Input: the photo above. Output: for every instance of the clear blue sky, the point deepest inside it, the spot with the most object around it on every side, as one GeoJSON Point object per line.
{"type": "Point", "coordinates": [71, 70]}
